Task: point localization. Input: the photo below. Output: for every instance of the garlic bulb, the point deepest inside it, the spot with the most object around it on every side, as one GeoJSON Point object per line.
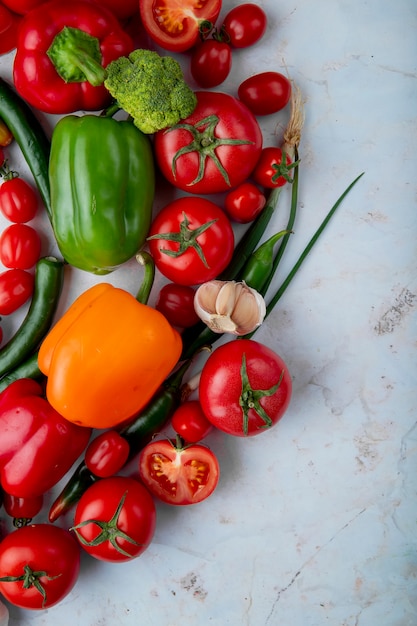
{"type": "Point", "coordinates": [229, 306]}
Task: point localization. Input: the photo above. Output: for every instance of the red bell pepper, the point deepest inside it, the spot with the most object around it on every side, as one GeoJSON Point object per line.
{"type": "Point", "coordinates": [9, 24]}
{"type": "Point", "coordinates": [62, 50]}
{"type": "Point", "coordinates": [37, 445]}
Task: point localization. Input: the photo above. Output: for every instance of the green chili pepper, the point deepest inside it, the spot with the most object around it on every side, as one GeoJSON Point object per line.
{"type": "Point", "coordinates": [137, 433]}
{"type": "Point", "coordinates": [259, 266]}
{"type": "Point", "coordinates": [102, 189]}
{"type": "Point", "coordinates": [27, 369]}
{"type": "Point", "coordinates": [49, 275]}
{"type": "Point", "coordinates": [30, 136]}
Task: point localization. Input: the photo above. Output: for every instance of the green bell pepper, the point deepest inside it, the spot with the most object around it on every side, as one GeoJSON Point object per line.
{"type": "Point", "coordinates": [102, 180]}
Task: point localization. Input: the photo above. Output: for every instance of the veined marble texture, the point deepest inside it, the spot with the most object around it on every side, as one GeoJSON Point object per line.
{"type": "Point", "coordinates": [315, 522]}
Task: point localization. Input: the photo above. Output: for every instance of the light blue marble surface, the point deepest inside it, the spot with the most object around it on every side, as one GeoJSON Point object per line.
{"type": "Point", "coordinates": [315, 522]}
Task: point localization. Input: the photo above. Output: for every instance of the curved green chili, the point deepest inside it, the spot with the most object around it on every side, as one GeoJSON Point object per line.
{"type": "Point", "coordinates": [27, 369]}
{"type": "Point", "coordinates": [30, 136]}
{"type": "Point", "coordinates": [49, 276]}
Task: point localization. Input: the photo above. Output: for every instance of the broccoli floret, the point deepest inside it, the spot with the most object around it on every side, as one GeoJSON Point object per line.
{"type": "Point", "coordinates": [151, 88]}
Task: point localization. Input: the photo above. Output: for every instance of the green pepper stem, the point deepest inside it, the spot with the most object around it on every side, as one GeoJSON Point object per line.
{"type": "Point", "coordinates": [76, 56]}
{"type": "Point", "coordinates": [146, 260]}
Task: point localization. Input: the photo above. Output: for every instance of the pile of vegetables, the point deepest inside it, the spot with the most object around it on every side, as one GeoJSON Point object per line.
{"type": "Point", "coordinates": [125, 113]}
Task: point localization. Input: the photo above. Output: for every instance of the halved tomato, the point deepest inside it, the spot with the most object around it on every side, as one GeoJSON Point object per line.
{"type": "Point", "coordinates": [175, 24]}
{"type": "Point", "coordinates": [178, 474]}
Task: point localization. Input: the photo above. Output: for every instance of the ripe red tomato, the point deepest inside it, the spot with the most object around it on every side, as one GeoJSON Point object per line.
{"type": "Point", "coordinates": [190, 423]}
{"type": "Point", "coordinates": [174, 24]}
{"type": "Point", "coordinates": [176, 474]}
{"type": "Point", "coordinates": [20, 246]}
{"type": "Point", "coordinates": [22, 509]}
{"type": "Point", "coordinates": [212, 150]}
{"type": "Point", "coordinates": [106, 454]}
{"type": "Point", "coordinates": [9, 26]}
{"type": "Point", "coordinates": [191, 240]}
{"type": "Point", "coordinates": [43, 563]}
{"type": "Point", "coordinates": [18, 200]}
{"type": "Point", "coordinates": [265, 93]}
{"type": "Point", "coordinates": [245, 24]}
{"type": "Point", "coordinates": [16, 287]}
{"type": "Point", "coordinates": [211, 63]}
{"type": "Point", "coordinates": [176, 302]}
{"type": "Point", "coordinates": [245, 388]}
{"type": "Point", "coordinates": [115, 519]}
{"type": "Point", "coordinates": [272, 170]}
{"type": "Point", "coordinates": [244, 203]}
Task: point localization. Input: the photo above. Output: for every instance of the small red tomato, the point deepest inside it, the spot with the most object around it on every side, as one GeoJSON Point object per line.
{"type": "Point", "coordinates": [272, 170]}
{"type": "Point", "coordinates": [18, 201]}
{"type": "Point", "coordinates": [20, 246]}
{"type": "Point", "coordinates": [244, 203]}
{"type": "Point", "coordinates": [211, 63]}
{"type": "Point", "coordinates": [22, 509]}
{"type": "Point", "coordinates": [176, 302]}
{"type": "Point", "coordinates": [265, 93]}
{"type": "Point", "coordinates": [245, 24]}
{"type": "Point", "coordinates": [107, 454]}
{"type": "Point", "coordinates": [190, 422]}
{"type": "Point", "coordinates": [178, 474]}
{"type": "Point", "coordinates": [16, 287]}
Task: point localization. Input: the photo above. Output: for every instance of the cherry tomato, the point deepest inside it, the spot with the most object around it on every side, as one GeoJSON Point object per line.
{"type": "Point", "coordinates": [18, 200]}
{"type": "Point", "coordinates": [16, 287]}
{"type": "Point", "coordinates": [115, 519]}
{"type": "Point", "coordinates": [9, 26]}
{"type": "Point", "coordinates": [244, 203]}
{"type": "Point", "coordinates": [175, 24]}
{"type": "Point", "coordinates": [20, 246]}
{"type": "Point", "coordinates": [212, 150]}
{"type": "Point", "coordinates": [265, 93]}
{"type": "Point", "coordinates": [271, 170]}
{"type": "Point", "coordinates": [245, 388]}
{"type": "Point", "coordinates": [41, 563]}
{"type": "Point", "coordinates": [190, 422]}
{"type": "Point", "coordinates": [191, 240]}
{"type": "Point", "coordinates": [22, 509]}
{"type": "Point", "coordinates": [245, 24]}
{"type": "Point", "coordinates": [106, 454]}
{"type": "Point", "coordinates": [176, 302]}
{"type": "Point", "coordinates": [176, 474]}
{"type": "Point", "coordinates": [211, 63]}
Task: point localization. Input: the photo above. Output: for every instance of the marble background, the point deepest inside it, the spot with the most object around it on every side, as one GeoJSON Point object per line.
{"type": "Point", "coordinates": [313, 523]}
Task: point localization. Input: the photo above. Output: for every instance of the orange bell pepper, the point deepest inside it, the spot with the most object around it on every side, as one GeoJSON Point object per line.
{"type": "Point", "coordinates": [106, 356]}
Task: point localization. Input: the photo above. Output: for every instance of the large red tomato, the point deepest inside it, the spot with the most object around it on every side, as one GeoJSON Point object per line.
{"type": "Point", "coordinates": [115, 519]}
{"type": "Point", "coordinates": [39, 565]}
{"type": "Point", "coordinates": [245, 388]}
{"type": "Point", "coordinates": [175, 24]}
{"type": "Point", "coordinates": [212, 150]}
{"type": "Point", "coordinates": [191, 240]}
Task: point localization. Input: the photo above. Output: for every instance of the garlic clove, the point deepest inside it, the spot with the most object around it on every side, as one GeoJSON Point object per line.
{"type": "Point", "coordinates": [229, 307]}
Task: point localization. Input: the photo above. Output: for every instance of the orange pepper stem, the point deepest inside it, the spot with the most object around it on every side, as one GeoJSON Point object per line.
{"type": "Point", "coordinates": [146, 260]}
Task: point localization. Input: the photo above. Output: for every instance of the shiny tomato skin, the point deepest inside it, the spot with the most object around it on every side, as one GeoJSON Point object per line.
{"type": "Point", "coordinates": [245, 24]}
{"type": "Point", "coordinates": [44, 548]}
{"type": "Point", "coordinates": [106, 454]}
{"type": "Point", "coordinates": [176, 302]}
{"type": "Point", "coordinates": [211, 63]}
{"type": "Point", "coordinates": [18, 200]}
{"type": "Point", "coordinates": [16, 287]}
{"type": "Point", "coordinates": [22, 508]}
{"type": "Point", "coordinates": [265, 172]}
{"type": "Point", "coordinates": [244, 203]}
{"type": "Point", "coordinates": [217, 242]}
{"type": "Point", "coordinates": [175, 24]}
{"type": "Point", "coordinates": [220, 386]}
{"type": "Point", "coordinates": [190, 423]}
{"type": "Point", "coordinates": [20, 246]}
{"type": "Point", "coordinates": [232, 120]}
{"type": "Point", "coordinates": [137, 517]}
{"type": "Point", "coordinates": [265, 93]}
{"type": "Point", "coordinates": [178, 475]}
